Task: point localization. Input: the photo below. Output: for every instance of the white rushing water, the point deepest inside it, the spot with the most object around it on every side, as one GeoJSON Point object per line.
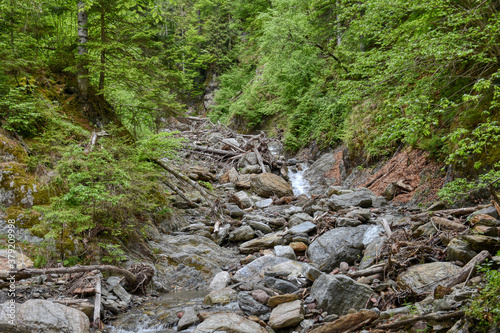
{"type": "Point", "coordinates": [299, 184]}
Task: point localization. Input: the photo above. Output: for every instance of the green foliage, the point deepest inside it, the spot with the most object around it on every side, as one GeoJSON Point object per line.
{"type": "Point", "coordinates": [484, 307]}
{"type": "Point", "coordinates": [40, 261]}
{"type": "Point", "coordinates": [21, 110]}
{"type": "Point", "coordinates": [114, 253]}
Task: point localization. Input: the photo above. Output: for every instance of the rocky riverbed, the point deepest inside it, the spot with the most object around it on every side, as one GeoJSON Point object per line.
{"type": "Point", "coordinates": [265, 255]}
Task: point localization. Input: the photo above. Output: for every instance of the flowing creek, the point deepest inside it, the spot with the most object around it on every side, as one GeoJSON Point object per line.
{"type": "Point", "coordinates": [300, 185]}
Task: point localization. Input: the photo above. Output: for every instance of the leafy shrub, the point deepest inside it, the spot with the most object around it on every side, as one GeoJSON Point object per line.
{"type": "Point", "coordinates": [21, 111]}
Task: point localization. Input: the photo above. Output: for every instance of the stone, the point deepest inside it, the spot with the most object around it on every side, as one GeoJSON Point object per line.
{"type": "Point", "coordinates": [248, 159]}
{"type": "Point", "coordinates": [274, 301]}
{"type": "Point", "coordinates": [197, 172]}
{"type": "Point", "coordinates": [305, 227]}
{"type": "Point", "coordinates": [260, 226]}
{"type": "Point", "coordinates": [337, 245]}
{"type": "Point", "coordinates": [491, 211]}
{"type": "Point", "coordinates": [122, 293]}
{"type": "Point", "coordinates": [264, 203]}
{"type": "Point", "coordinates": [317, 171]}
{"type": "Point", "coordinates": [260, 296]}
{"type": "Point", "coordinates": [348, 323]}
{"type": "Point", "coordinates": [286, 315]}
{"type": "Point", "coordinates": [485, 230]}
{"type": "Point", "coordinates": [481, 242]}
{"type": "Point", "coordinates": [298, 247]}
{"type": "Point", "coordinates": [190, 317]}
{"type": "Point", "coordinates": [337, 294]}
{"type": "Point", "coordinates": [361, 199]}
{"type": "Point", "coordinates": [361, 214]}
{"type": "Point", "coordinates": [43, 316]}
{"type": "Point", "coordinates": [222, 235]}
{"type": "Point", "coordinates": [220, 281]}
{"type": "Point", "coordinates": [221, 296]}
{"type": "Point", "coordinates": [284, 251]}
{"type": "Point", "coordinates": [247, 303]}
{"type": "Point", "coordinates": [268, 184]}
{"type": "Point", "coordinates": [230, 176]}
{"type": "Point", "coordinates": [228, 322]}
{"type": "Point", "coordinates": [280, 285]}
{"type": "Point", "coordinates": [242, 199]}
{"type": "Point", "coordinates": [21, 260]}
{"type": "Point", "coordinates": [241, 234]}
{"type": "Point", "coordinates": [458, 249]}
{"type": "Point", "coordinates": [266, 242]}
{"type": "Point", "coordinates": [244, 181]}
{"type": "Point", "coordinates": [347, 222]}
{"type": "Point", "coordinates": [311, 273]}
{"type": "Point", "coordinates": [372, 252]}
{"type": "Point", "coordinates": [255, 270]}
{"type": "Point", "coordinates": [235, 211]}
{"type": "Point", "coordinates": [422, 278]}
{"type": "Point", "coordinates": [251, 169]}
{"type": "Point", "coordinates": [110, 305]}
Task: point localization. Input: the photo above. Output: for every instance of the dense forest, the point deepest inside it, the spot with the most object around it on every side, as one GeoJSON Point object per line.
{"type": "Point", "coordinates": [375, 75]}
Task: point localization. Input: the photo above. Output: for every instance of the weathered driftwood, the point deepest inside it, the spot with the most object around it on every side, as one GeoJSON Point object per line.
{"type": "Point", "coordinates": [467, 270]}
{"type": "Point", "coordinates": [213, 150]}
{"type": "Point", "coordinates": [387, 228]}
{"type": "Point", "coordinates": [445, 223]}
{"type": "Point", "coordinates": [454, 212]}
{"type": "Point", "coordinates": [259, 159]}
{"type": "Point", "coordinates": [375, 269]}
{"type": "Point", "coordinates": [430, 316]}
{"type": "Point", "coordinates": [130, 278]}
{"type": "Point", "coordinates": [97, 304]}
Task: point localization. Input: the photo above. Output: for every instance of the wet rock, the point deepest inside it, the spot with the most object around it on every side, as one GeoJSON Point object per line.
{"type": "Point", "coordinates": [235, 211]}
{"type": "Point", "coordinates": [220, 281]}
{"type": "Point", "coordinates": [281, 286]}
{"type": "Point", "coordinates": [255, 270]}
{"type": "Point", "coordinates": [348, 323]}
{"type": "Point", "coordinates": [241, 234]}
{"type": "Point", "coordinates": [458, 249]}
{"type": "Point", "coordinates": [242, 199]}
{"type": "Point", "coordinates": [286, 315]}
{"type": "Point", "coordinates": [260, 226]}
{"type": "Point", "coordinates": [337, 245]}
{"type": "Point", "coordinates": [266, 242]}
{"type": "Point", "coordinates": [228, 322]}
{"type": "Point", "coordinates": [338, 293]}
{"type": "Point", "coordinates": [43, 316]}
{"type": "Point", "coordinates": [361, 199]}
{"type": "Point", "coordinates": [274, 301]}
{"type": "Point", "coordinates": [247, 303]}
{"type": "Point", "coordinates": [305, 227]}
{"type": "Point", "coordinates": [267, 185]}
{"type": "Point", "coordinates": [421, 278]}
{"type": "Point", "coordinates": [221, 296]}
{"type": "Point", "coordinates": [285, 252]}
{"type": "Point", "coordinates": [190, 317]}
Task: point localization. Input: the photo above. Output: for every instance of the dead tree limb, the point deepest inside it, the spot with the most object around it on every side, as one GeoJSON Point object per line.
{"type": "Point", "coordinates": [259, 159]}
{"type": "Point", "coordinates": [430, 316]}
{"type": "Point", "coordinates": [387, 228]}
{"type": "Point", "coordinates": [445, 223]}
{"type": "Point", "coordinates": [130, 278]}
{"type": "Point", "coordinates": [177, 190]}
{"type": "Point", "coordinates": [93, 140]}
{"type": "Point", "coordinates": [375, 269]}
{"type": "Point", "coordinates": [97, 304]}
{"type": "Point", "coordinates": [454, 212]}
{"type": "Point", "coordinates": [467, 270]}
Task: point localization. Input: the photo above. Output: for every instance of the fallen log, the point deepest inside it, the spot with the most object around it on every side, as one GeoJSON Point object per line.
{"type": "Point", "coordinates": [387, 228]}
{"type": "Point", "coordinates": [259, 159]}
{"type": "Point", "coordinates": [430, 316]}
{"type": "Point", "coordinates": [454, 212]}
{"type": "Point", "coordinates": [131, 281]}
{"type": "Point", "coordinates": [97, 304]}
{"type": "Point", "coordinates": [375, 269]}
{"type": "Point", "coordinates": [226, 153]}
{"type": "Point", "coordinates": [445, 223]}
{"type": "Point", "coordinates": [467, 270]}
{"type": "Point", "coordinates": [177, 190]}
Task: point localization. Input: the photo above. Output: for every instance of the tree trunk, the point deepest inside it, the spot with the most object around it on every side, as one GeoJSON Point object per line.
{"type": "Point", "coordinates": [83, 71]}
{"type": "Point", "coordinates": [103, 50]}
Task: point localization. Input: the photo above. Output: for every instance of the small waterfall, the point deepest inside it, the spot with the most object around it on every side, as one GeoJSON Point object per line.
{"type": "Point", "coordinates": [296, 176]}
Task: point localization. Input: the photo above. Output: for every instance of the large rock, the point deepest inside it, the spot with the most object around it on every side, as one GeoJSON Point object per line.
{"type": "Point", "coordinates": [230, 176]}
{"type": "Point", "coordinates": [220, 296]}
{"type": "Point", "coordinates": [254, 271]}
{"type": "Point", "coordinates": [189, 317]}
{"type": "Point", "coordinates": [22, 261]}
{"type": "Point", "coordinates": [424, 278]}
{"type": "Point", "coordinates": [317, 171]}
{"type": "Point", "coordinates": [266, 242]}
{"type": "Point", "coordinates": [228, 322]}
{"type": "Point", "coordinates": [268, 184]}
{"type": "Point", "coordinates": [190, 261]}
{"type": "Point", "coordinates": [220, 281]}
{"type": "Point", "coordinates": [247, 160]}
{"type": "Point", "coordinates": [241, 234]}
{"type": "Point", "coordinates": [286, 315]}
{"type": "Point", "coordinates": [336, 294]}
{"type": "Point", "coordinates": [247, 303]}
{"type": "Point", "coordinates": [458, 249]}
{"type": "Point", "coordinates": [482, 242]}
{"type": "Point", "coordinates": [242, 199]}
{"type": "Point", "coordinates": [372, 252]}
{"type": "Point", "coordinates": [337, 245]}
{"type": "Point", "coordinates": [42, 316]}
{"type": "Point", "coordinates": [280, 285]}
{"type": "Point", "coordinates": [362, 198]}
